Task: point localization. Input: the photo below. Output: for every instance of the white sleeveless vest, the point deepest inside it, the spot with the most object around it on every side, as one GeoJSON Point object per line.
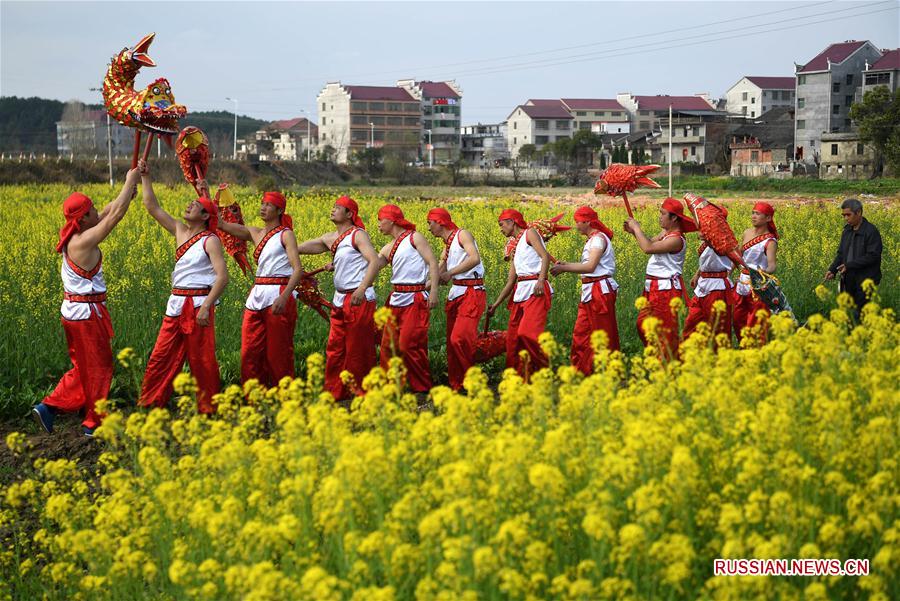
{"type": "Point", "coordinates": [81, 282]}
{"type": "Point", "coordinates": [456, 254]}
{"type": "Point", "coordinates": [527, 262]}
{"type": "Point", "coordinates": [407, 267]}
{"type": "Point", "coordinates": [667, 266]}
{"type": "Point", "coordinates": [192, 270]}
{"type": "Point", "coordinates": [606, 266]}
{"type": "Point", "coordinates": [755, 257]}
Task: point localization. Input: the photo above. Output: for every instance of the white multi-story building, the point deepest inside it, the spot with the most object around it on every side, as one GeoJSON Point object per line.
{"type": "Point", "coordinates": [598, 115]}
{"type": "Point", "coordinates": [441, 116]}
{"type": "Point", "coordinates": [484, 144]}
{"type": "Point", "coordinates": [537, 122]}
{"type": "Point", "coordinates": [353, 118]}
{"type": "Point", "coordinates": [754, 95]}
{"type": "Point", "coordinates": [884, 72]}
{"type": "Point", "coordinates": [647, 111]}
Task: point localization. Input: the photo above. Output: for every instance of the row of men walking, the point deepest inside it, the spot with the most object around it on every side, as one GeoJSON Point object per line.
{"type": "Point", "coordinates": [200, 277]}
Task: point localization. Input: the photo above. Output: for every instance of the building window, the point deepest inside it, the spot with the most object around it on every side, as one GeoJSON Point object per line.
{"type": "Point", "coordinates": [515, 140]}
{"type": "Point", "coordinates": [801, 80]}
{"type": "Point", "coordinates": [323, 120]}
{"type": "Point", "coordinates": [356, 120]}
{"type": "Point", "coordinates": [874, 79]}
{"type": "Point", "coordinates": [744, 96]}
{"type": "Point", "coordinates": [693, 150]}
{"type": "Point", "coordinates": [743, 110]}
{"type": "Point", "coordinates": [859, 149]}
{"type": "Point", "coordinates": [581, 113]}
{"type": "Point", "coordinates": [376, 106]}
{"type": "Point", "coordinates": [541, 125]}
{"type": "Point", "coordinates": [354, 106]}
{"type": "Point", "coordinates": [394, 107]}
{"type": "Point", "coordinates": [753, 100]}
{"type": "Point", "coordinates": [752, 113]}
{"type": "Point", "coordinates": [848, 100]}
{"type": "Point", "coordinates": [801, 124]}
{"type": "Point", "coordinates": [644, 113]}
{"type": "Point", "coordinates": [834, 150]}
{"type": "Point", "coordinates": [643, 125]}
{"type": "Point", "coordinates": [599, 113]}
{"type": "Point", "coordinates": [836, 87]}
{"type": "Point", "coordinates": [395, 121]}
{"type": "Point", "coordinates": [541, 139]}
{"type": "Point", "coordinates": [836, 109]}
{"type": "Point", "coordinates": [584, 125]}
{"type": "Point", "coordinates": [847, 122]}
{"type": "Point", "coordinates": [616, 113]}
{"type": "Point", "coordinates": [323, 106]}
{"type": "Point", "coordinates": [849, 79]}
{"type": "Point", "coordinates": [562, 125]}
{"type": "Point", "coordinates": [754, 156]}
{"type": "Point", "coordinates": [801, 102]}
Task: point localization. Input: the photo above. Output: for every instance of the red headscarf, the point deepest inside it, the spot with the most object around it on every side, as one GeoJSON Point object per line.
{"type": "Point", "coordinates": [676, 208]}
{"type": "Point", "coordinates": [350, 204]}
{"type": "Point", "coordinates": [442, 217]}
{"type": "Point", "coordinates": [210, 207]}
{"type": "Point", "coordinates": [277, 199]}
{"type": "Point", "coordinates": [393, 213]}
{"type": "Point", "coordinates": [767, 209]}
{"type": "Point", "coordinates": [589, 215]}
{"type": "Point", "coordinates": [75, 207]}
{"type": "Point", "coordinates": [515, 216]}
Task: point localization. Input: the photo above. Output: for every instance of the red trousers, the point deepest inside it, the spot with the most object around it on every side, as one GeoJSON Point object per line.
{"type": "Point", "coordinates": [351, 346]}
{"type": "Point", "coordinates": [659, 308]}
{"type": "Point", "coordinates": [182, 338]}
{"type": "Point", "coordinates": [92, 366]}
{"type": "Point", "coordinates": [700, 310]}
{"type": "Point", "coordinates": [745, 308]}
{"type": "Point", "coordinates": [527, 321]}
{"type": "Point", "coordinates": [599, 313]}
{"type": "Point", "coordinates": [463, 315]}
{"type": "Point", "coordinates": [267, 344]}
{"type": "Point", "coordinates": [408, 338]}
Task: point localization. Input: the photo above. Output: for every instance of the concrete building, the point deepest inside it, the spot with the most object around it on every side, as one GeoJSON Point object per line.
{"type": "Point", "coordinates": [537, 122]}
{"type": "Point", "coordinates": [441, 115]}
{"type": "Point", "coordinates": [698, 136]}
{"type": "Point", "coordinates": [826, 88]}
{"type": "Point", "coordinates": [645, 112]}
{"type": "Point", "coordinates": [353, 118]}
{"type": "Point", "coordinates": [284, 140]}
{"type": "Point", "coordinates": [599, 115]}
{"type": "Point", "coordinates": [845, 156]}
{"type": "Point", "coordinates": [483, 145]}
{"type": "Point", "coordinates": [884, 72]}
{"type": "Point", "coordinates": [754, 95]}
{"type": "Point", "coordinates": [764, 145]}
{"type": "Point", "coordinates": [87, 136]}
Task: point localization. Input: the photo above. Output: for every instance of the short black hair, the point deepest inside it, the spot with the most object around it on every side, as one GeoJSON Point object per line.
{"type": "Point", "coordinates": [852, 204]}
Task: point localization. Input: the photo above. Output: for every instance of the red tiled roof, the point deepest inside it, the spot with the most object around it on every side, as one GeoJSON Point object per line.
{"type": "Point", "coordinates": [590, 104]}
{"type": "Point", "coordinates": [287, 124]}
{"type": "Point", "coordinates": [378, 93]}
{"type": "Point", "coordinates": [773, 83]}
{"type": "Point", "coordinates": [546, 111]}
{"type": "Point", "coordinates": [890, 60]}
{"type": "Point", "coordinates": [437, 89]}
{"type": "Point", "coordinates": [678, 103]}
{"type": "Point", "coordinates": [837, 53]}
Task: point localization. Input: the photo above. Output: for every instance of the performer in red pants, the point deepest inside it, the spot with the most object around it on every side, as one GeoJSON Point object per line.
{"type": "Point", "coordinates": [530, 291]}
{"type": "Point", "coordinates": [710, 284]}
{"type": "Point", "coordinates": [758, 249]}
{"type": "Point", "coordinates": [413, 265]}
{"type": "Point", "coordinates": [461, 267]}
{"type": "Point", "coordinates": [663, 281]}
{"type": "Point", "coordinates": [597, 309]}
{"type": "Point", "coordinates": [85, 318]}
{"type": "Point", "coordinates": [270, 314]}
{"type": "Point", "coordinates": [188, 328]}
{"type": "Point", "coordinates": [351, 338]}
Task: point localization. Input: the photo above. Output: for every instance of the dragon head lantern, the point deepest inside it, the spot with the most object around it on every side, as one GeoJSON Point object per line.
{"type": "Point", "coordinates": [152, 109]}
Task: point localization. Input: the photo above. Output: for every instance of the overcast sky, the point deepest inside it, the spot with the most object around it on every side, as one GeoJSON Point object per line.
{"type": "Point", "coordinates": [275, 57]}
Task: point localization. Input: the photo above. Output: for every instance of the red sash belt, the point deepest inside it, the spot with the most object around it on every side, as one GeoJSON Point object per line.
{"type": "Point", "coordinates": [470, 282]}
{"type": "Point", "coordinates": [527, 278]}
{"type": "Point", "coordinates": [191, 291]}
{"type": "Point", "coordinates": [96, 297]}
{"type": "Point", "coordinates": [267, 281]}
{"type": "Point", "coordinates": [593, 278]}
{"type": "Point", "coordinates": [410, 287]}
{"type": "Point", "coordinates": [714, 274]}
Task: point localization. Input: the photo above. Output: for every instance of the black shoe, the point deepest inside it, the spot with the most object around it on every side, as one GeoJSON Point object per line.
{"type": "Point", "coordinates": [43, 415]}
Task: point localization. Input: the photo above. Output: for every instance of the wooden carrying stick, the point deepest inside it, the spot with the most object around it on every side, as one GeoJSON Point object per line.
{"type": "Point", "coordinates": [627, 204]}
{"type": "Point", "coordinates": [137, 148]}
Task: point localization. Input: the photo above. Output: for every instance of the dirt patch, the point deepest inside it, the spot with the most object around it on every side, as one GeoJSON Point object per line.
{"type": "Point", "coordinates": [66, 442]}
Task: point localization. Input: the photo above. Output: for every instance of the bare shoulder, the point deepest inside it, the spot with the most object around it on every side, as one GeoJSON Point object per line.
{"type": "Point", "coordinates": [748, 234]}
{"type": "Point", "coordinates": [465, 236]}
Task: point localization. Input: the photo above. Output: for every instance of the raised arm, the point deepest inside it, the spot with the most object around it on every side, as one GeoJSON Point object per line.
{"type": "Point", "coordinates": [290, 247]}
{"type": "Point", "coordinates": [157, 212]}
{"type": "Point", "coordinates": [594, 255]}
{"type": "Point", "coordinates": [316, 246]}
{"type": "Point", "coordinates": [213, 248]}
{"type": "Point", "coordinates": [235, 229]}
{"type": "Point", "coordinates": [113, 213]}
{"type": "Point", "coordinates": [652, 246]}
{"type": "Point", "coordinates": [376, 263]}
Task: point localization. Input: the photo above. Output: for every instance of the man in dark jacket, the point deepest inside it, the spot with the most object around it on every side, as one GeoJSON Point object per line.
{"type": "Point", "coordinates": [859, 253]}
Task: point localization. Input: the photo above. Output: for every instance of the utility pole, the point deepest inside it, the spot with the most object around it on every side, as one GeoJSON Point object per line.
{"type": "Point", "coordinates": [430, 150]}
{"type": "Point", "coordinates": [234, 151]}
{"type": "Point", "coordinates": [108, 141]}
{"type": "Point", "coordinates": [670, 151]}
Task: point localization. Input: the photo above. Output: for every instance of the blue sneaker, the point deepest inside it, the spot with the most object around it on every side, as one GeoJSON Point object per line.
{"type": "Point", "coordinates": [89, 432]}
{"type": "Point", "coordinates": [43, 415]}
